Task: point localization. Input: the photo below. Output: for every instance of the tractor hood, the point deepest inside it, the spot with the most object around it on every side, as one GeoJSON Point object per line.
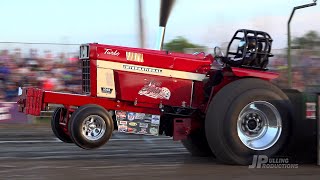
{"type": "Point", "coordinates": [150, 58]}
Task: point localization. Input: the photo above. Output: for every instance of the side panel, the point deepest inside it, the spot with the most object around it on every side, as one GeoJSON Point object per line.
{"type": "Point", "coordinates": [190, 65]}
{"type": "Point", "coordinates": [153, 89]}
{"type": "Point", "coordinates": [242, 72]}
{"type": "Point", "coordinates": [198, 98]}
{"type": "Point", "coordinates": [105, 83]}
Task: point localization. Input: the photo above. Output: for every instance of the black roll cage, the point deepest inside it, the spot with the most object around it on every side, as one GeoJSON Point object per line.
{"type": "Point", "coordinates": [259, 36]}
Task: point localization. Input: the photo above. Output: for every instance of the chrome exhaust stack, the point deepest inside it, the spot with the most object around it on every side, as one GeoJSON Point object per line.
{"type": "Point", "coordinates": [165, 9]}
{"type": "Point", "coordinates": [160, 37]}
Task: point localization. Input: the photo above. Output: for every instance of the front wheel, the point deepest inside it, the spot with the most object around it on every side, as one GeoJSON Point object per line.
{"type": "Point", "coordinates": [57, 129]}
{"type": "Point", "coordinates": [90, 126]}
{"type": "Point", "coordinates": [248, 117]}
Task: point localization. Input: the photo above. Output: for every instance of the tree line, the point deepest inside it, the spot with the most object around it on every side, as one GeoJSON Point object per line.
{"type": "Point", "coordinates": [309, 40]}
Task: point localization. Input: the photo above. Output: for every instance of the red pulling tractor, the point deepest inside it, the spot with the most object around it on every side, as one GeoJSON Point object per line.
{"type": "Point", "coordinates": [231, 112]}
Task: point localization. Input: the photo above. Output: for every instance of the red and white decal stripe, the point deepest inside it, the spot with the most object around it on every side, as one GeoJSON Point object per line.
{"type": "Point", "coordinates": [150, 70]}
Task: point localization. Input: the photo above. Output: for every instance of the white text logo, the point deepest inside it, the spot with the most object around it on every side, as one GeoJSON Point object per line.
{"type": "Point", "coordinates": [110, 52]}
{"type": "Point", "coordinates": [262, 161]}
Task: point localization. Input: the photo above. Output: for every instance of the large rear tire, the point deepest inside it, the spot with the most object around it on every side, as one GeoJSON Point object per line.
{"type": "Point", "coordinates": [56, 127]}
{"type": "Point", "coordinates": [197, 144]}
{"type": "Point", "coordinates": [90, 126]}
{"type": "Point", "coordinates": [248, 117]}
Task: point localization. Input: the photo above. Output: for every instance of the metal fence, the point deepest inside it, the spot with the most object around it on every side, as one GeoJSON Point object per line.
{"type": "Point", "coordinates": [40, 50]}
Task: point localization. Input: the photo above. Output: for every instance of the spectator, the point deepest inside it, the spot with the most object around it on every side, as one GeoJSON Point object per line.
{"type": "Point", "coordinates": [4, 57]}
{"type": "Point", "coordinates": [2, 97]}
{"type": "Point", "coordinates": [11, 92]}
{"type": "Point", "coordinates": [4, 71]}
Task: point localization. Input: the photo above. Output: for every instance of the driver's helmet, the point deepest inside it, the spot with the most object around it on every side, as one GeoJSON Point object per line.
{"type": "Point", "coordinates": [251, 44]}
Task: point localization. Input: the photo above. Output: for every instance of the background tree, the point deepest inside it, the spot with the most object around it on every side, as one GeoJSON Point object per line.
{"type": "Point", "coordinates": [310, 40]}
{"type": "Point", "coordinates": [179, 44]}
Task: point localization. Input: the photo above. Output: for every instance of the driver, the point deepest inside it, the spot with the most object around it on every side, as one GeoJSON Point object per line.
{"type": "Point", "coordinates": [250, 53]}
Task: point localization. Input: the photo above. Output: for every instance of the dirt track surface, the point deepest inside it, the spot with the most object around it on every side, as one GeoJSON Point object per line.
{"type": "Point", "coordinates": [32, 152]}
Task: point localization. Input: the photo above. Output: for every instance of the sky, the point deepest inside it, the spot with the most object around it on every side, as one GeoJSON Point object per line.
{"type": "Point", "coordinates": [115, 22]}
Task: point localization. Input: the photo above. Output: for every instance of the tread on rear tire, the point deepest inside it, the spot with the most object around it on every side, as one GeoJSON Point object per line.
{"type": "Point", "coordinates": [197, 144]}
{"type": "Point", "coordinates": [222, 124]}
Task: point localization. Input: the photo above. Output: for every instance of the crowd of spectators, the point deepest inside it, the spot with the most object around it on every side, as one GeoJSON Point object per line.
{"type": "Point", "coordinates": [49, 72]}
{"type": "Point", "coordinates": [305, 70]}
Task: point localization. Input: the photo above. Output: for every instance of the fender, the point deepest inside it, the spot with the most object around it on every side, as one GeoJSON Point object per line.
{"type": "Point", "coordinates": [241, 72]}
{"type": "Point", "coordinates": [234, 73]}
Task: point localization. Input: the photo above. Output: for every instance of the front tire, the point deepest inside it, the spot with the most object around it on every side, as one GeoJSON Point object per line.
{"type": "Point", "coordinates": [90, 126]}
{"type": "Point", "coordinates": [247, 117]}
{"type": "Point", "coordinates": [56, 127]}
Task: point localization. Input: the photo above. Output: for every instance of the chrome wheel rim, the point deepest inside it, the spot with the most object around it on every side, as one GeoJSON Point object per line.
{"type": "Point", "coordinates": [259, 125]}
{"type": "Point", "coordinates": [93, 127]}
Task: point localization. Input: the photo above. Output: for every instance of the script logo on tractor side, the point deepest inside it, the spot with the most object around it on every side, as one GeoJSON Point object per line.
{"type": "Point", "coordinates": [153, 90]}
{"type": "Point", "coordinates": [111, 52]}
